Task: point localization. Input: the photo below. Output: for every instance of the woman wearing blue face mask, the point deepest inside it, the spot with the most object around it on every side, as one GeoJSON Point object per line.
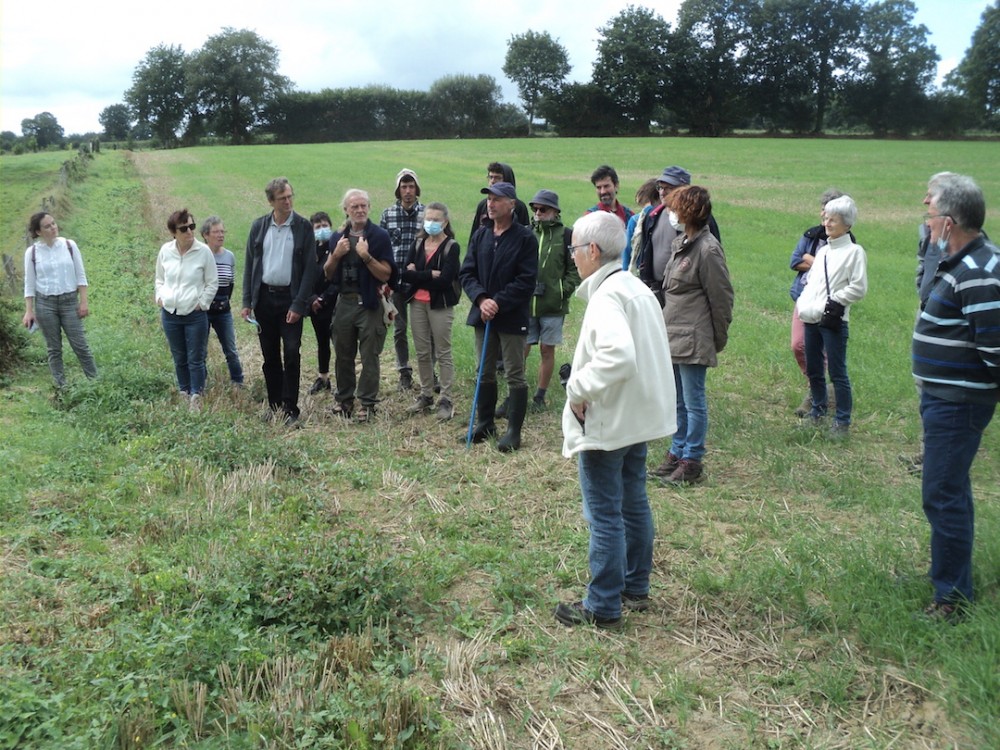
{"type": "Point", "coordinates": [323, 302]}
{"type": "Point", "coordinates": [432, 271]}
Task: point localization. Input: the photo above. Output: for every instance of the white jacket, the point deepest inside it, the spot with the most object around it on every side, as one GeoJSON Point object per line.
{"type": "Point", "coordinates": [186, 282]}
{"type": "Point", "coordinates": [621, 367]}
{"type": "Point", "coordinates": [847, 266]}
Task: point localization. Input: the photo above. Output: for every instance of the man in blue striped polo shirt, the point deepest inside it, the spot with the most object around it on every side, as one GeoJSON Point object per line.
{"type": "Point", "coordinates": [956, 360]}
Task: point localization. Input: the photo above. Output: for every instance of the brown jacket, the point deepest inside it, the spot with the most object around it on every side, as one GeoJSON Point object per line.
{"type": "Point", "coordinates": [698, 300]}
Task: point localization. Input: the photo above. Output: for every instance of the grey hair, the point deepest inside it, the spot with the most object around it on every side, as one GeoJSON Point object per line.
{"type": "Point", "coordinates": [962, 199]}
{"type": "Point", "coordinates": [605, 230]}
{"type": "Point", "coordinates": [828, 195]}
{"type": "Point", "coordinates": [845, 208]}
{"type": "Point", "coordinates": [275, 186]}
{"type": "Point", "coordinates": [206, 226]}
{"type": "Point", "coordinates": [352, 192]}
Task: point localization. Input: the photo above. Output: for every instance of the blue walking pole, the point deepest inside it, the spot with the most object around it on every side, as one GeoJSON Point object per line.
{"type": "Point", "coordinates": [479, 382]}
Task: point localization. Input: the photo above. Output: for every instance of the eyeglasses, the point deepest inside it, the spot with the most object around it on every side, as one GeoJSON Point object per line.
{"type": "Point", "coordinates": [663, 187]}
{"type": "Point", "coordinates": [928, 217]}
{"type": "Point", "coordinates": [574, 248]}
{"type": "Point", "coordinates": [186, 227]}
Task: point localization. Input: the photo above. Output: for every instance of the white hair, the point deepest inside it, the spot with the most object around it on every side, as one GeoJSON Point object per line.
{"type": "Point", "coordinates": [605, 230]}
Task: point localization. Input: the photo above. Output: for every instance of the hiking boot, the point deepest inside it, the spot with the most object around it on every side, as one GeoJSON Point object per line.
{"type": "Point", "coordinates": [422, 404]}
{"type": "Point", "coordinates": [668, 467]}
{"type": "Point", "coordinates": [575, 614]}
{"type": "Point", "coordinates": [405, 380]}
{"type": "Point", "coordinates": [688, 471]}
{"type": "Point", "coordinates": [635, 602]}
{"type": "Point", "coordinates": [445, 410]}
{"type": "Point", "coordinates": [319, 385]}
{"type": "Point", "coordinates": [947, 612]}
{"type": "Point", "coordinates": [840, 430]}
{"type": "Point", "coordinates": [805, 407]}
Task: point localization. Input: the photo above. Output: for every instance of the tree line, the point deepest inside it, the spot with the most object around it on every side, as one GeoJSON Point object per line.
{"type": "Point", "coordinates": [798, 66]}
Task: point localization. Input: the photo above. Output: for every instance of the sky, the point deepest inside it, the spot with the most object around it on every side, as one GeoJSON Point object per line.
{"type": "Point", "coordinates": [74, 59]}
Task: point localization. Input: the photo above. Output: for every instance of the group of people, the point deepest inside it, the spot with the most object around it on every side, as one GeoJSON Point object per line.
{"type": "Point", "coordinates": [659, 304]}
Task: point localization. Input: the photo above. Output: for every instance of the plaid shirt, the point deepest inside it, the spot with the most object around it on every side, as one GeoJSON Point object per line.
{"type": "Point", "coordinates": [402, 226]}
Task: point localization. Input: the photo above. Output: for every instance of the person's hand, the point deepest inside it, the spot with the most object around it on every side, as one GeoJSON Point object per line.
{"type": "Point", "coordinates": [343, 248]}
{"type": "Point", "coordinates": [28, 319]}
{"type": "Point", "coordinates": [412, 267]}
{"type": "Point", "coordinates": [317, 305]}
{"type": "Point", "coordinates": [488, 309]}
{"type": "Point", "coordinates": [579, 411]}
{"type": "Point", "coordinates": [245, 313]}
{"type": "Point", "coordinates": [362, 248]}
{"type": "Point", "coordinates": [292, 317]}
{"type": "Point", "coordinates": [83, 310]}
{"type": "Point", "coordinates": [435, 273]}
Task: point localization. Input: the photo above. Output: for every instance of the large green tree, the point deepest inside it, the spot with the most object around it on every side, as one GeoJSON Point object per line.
{"type": "Point", "coordinates": [116, 119]}
{"type": "Point", "coordinates": [632, 65]}
{"type": "Point", "coordinates": [707, 85]}
{"type": "Point", "coordinates": [538, 64]}
{"type": "Point", "coordinates": [468, 105]}
{"type": "Point", "coordinates": [157, 93]}
{"type": "Point", "coordinates": [44, 128]}
{"type": "Point", "coordinates": [233, 78]}
{"type": "Point", "coordinates": [896, 67]}
{"type": "Point", "coordinates": [978, 75]}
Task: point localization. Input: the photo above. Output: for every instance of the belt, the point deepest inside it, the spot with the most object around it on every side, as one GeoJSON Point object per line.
{"type": "Point", "coordinates": [278, 289]}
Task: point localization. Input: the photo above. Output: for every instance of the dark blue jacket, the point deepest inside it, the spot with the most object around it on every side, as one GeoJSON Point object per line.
{"type": "Point", "coordinates": [503, 268]}
{"type": "Point", "coordinates": [380, 247]}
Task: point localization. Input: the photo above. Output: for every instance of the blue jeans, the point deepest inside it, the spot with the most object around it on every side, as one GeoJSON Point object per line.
{"type": "Point", "coordinates": [188, 339]}
{"type": "Point", "coordinates": [222, 322]}
{"type": "Point", "coordinates": [615, 505]}
{"type": "Point", "coordinates": [821, 340]}
{"type": "Point", "coordinates": [692, 412]}
{"type": "Point", "coordinates": [952, 432]}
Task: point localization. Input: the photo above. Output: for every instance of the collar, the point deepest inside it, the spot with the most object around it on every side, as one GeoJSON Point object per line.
{"type": "Point", "coordinates": [590, 284]}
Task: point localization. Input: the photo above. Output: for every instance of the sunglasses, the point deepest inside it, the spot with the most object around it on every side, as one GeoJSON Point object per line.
{"type": "Point", "coordinates": [186, 227]}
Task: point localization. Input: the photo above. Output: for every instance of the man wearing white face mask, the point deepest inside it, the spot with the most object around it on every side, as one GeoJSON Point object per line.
{"type": "Point", "coordinates": [658, 236]}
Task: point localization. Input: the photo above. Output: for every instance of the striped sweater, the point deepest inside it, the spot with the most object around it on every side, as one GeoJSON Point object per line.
{"type": "Point", "coordinates": [956, 342]}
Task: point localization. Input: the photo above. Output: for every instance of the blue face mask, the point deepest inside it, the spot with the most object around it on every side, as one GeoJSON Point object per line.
{"type": "Point", "coordinates": [433, 228]}
{"type": "Point", "coordinates": [323, 234]}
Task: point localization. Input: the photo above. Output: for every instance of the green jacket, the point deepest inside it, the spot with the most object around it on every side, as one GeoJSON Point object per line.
{"type": "Point", "coordinates": [556, 270]}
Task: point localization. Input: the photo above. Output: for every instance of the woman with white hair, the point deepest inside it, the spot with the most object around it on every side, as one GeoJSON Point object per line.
{"type": "Point", "coordinates": [838, 278]}
{"type": "Point", "coordinates": [619, 396]}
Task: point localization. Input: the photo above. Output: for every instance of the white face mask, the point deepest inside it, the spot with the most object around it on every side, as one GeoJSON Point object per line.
{"type": "Point", "coordinates": [675, 222]}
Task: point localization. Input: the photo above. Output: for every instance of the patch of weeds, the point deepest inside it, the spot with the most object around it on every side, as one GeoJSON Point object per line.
{"type": "Point", "coordinates": [321, 582]}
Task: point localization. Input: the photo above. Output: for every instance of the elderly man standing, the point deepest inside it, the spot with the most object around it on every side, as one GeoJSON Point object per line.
{"type": "Point", "coordinates": [620, 395]}
{"type": "Point", "coordinates": [278, 278]}
{"type": "Point", "coordinates": [402, 220]}
{"type": "Point", "coordinates": [498, 275]}
{"type": "Point", "coordinates": [956, 360]}
{"type": "Point", "coordinates": [360, 265]}
{"type": "Point", "coordinates": [605, 182]}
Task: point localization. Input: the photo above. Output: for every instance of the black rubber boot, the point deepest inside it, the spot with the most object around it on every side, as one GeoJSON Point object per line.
{"type": "Point", "coordinates": [502, 409]}
{"type": "Point", "coordinates": [485, 427]}
{"type": "Point", "coordinates": [515, 419]}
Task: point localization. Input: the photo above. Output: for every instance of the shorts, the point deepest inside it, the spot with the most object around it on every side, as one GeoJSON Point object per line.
{"type": "Point", "coordinates": [546, 330]}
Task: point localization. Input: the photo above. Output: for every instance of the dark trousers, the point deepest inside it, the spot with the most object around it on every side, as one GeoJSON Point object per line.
{"type": "Point", "coordinates": [321, 323]}
{"type": "Point", "coordinates": [282, 379]}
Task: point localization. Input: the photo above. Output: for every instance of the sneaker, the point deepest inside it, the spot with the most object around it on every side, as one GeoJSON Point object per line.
{"type": "Point", "coordinates": [805, 407]}
{"type": "Point", "coordinates": [422, 404]}
{"type": "Point", "coordinates": [668, 467]}
{"type": "Point", "coordinates": [194, 404]}
{"type": "Point", "coordinates": [405, 380]}
{"type": "Point", "coordinates": [445, 410]}
{"type": "Point", "coordinates": [840, 430]}
{"type": "Point", "coordinates": [688, 471]}
{"type": "Point", "coordinates": [947, 612]}
{"type": "Point", "coordinates": [635, 602]}
{"type": "Point", "coordinates": [575, 614]}
{"type": "Point", "coordinates": [319, 385]}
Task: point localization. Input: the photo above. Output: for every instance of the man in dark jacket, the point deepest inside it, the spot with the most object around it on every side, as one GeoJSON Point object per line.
{"type": "Point", "coordinates": [278, 279]}
{"type": "Point", "coordinates": [498, 275]}
{"type": "Point", "coordinates": [499, 172]}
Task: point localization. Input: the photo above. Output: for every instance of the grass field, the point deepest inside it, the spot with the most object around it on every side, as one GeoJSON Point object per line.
{"type": "Point", "coordinates": [207, 581]}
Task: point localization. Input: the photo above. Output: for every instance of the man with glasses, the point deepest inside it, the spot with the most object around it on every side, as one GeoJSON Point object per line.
{"type": "Point", "coordinates": [956, 361]}
{"type": "Point", "coordinates": [278, 279]}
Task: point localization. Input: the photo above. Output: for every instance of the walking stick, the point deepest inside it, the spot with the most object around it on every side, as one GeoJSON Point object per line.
{"type": "Point", "coordinates": [479, 382]}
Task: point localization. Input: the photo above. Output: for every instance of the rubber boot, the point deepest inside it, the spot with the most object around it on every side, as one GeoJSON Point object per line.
{"type": "Point", "coordinates": [515, 419]}
{"type": "Point", "coordinates": [485, 427]}
{"type": "Point", "coordinates": [502, 409]}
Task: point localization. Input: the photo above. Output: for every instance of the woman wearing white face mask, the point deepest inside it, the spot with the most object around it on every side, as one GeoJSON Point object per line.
{"type": "Point", "coordinates": [432, 271]}
{"type": "Point", "coordinates": [323, 302]}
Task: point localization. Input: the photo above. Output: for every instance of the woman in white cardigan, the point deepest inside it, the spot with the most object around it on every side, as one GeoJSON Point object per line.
{"type": "Point", "coordinates": [186, 282]}
{"type": "Point", "coordinates": [838, 278]}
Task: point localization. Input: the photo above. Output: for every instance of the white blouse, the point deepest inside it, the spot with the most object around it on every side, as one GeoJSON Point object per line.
{"type": "Point", "coordinates": [52, 269]}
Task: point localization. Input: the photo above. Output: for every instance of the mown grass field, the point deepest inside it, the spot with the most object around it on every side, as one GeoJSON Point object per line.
{"type": "Point", "coordinates": [208, 581]}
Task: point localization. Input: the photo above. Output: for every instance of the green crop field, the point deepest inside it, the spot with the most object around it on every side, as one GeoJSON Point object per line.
{"type": "Point", "coordinates": [205, 580]}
